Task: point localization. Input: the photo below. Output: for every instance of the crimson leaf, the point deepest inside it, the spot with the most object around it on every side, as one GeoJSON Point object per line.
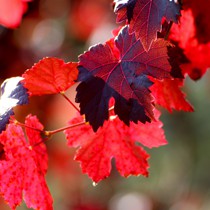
{"type": "Point", "coordinates": [23, 170]}
{"type": "Point", "coordinates": [167, 93]}
{"type": "Point", "coordinates": [50, 76]}
{"type": "Point", "coordinates": [115, 140]}
{"type": "Point", "coordinates": [198, 54]}
{"type": "Point", "coordinates": [125, 78]}
{"type": "Point", "coordinates": [145, 17]}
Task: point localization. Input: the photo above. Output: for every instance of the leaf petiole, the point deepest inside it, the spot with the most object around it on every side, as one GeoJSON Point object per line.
{"type": "Point", "coordinates": [47, 134]}
{"type": "Point", "coordinates": [25, 126]}
{"type": "Point", "coordinates": [75, 107]}
{"type": "Point", "coordinates": [50, 133]}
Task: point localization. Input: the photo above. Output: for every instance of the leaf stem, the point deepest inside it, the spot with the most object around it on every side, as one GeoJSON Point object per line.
{"type": "Point", "coordinates": [26, 126]}
{"type": "Point", "coordinates": [40, 142]}
{"type": "Point", "coordinates": [50, 133]}
{"type": "Point", "coordinates": [47, 134]}
{"type": "Point", "coordinates": [63, 94]}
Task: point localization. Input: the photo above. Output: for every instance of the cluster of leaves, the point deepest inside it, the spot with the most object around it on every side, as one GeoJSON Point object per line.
{"type": "Point", "coordinates": [122, 81]}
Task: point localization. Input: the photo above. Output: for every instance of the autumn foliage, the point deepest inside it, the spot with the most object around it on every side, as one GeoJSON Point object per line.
{"type": "Point", "coordinates": [120, 86]}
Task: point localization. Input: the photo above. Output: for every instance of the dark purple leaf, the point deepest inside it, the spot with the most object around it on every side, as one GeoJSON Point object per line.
{"type": "Point", "coordinates": [145, 17]}
{"type": "Point", "coordinates": [124, 78]}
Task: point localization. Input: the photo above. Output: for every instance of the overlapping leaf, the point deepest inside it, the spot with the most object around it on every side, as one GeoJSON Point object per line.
{"type": "Point", "coordinates": [198, 54]}
{"type": "Point", "coordinates": [11, 12]}
{"type": "Point", "coordinates": [201, 14]}
{"type": "Point", "coordinates": [145, 17]}
{"type": "Point", "coordinates": [23, 168]}
{"type": "Point", "coordinates": [125, 78]}
{"type": "Point", "coordinates": [167, 93]}
{"type": "Point", "coordinates": [12, 93]}
{"type": "Point", "coordinates": [50, 76]}
{"type": "Point", "coordinates": [115, 140]}
{"type": "Point", "coordinates": [124, 9]}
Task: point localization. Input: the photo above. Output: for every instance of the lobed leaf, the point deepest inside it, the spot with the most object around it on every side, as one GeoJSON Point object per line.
{"type": "Point", "coordinates": [22, 171]}
{"type": "Point", "coordinates": [197, 54]}
{"type": "Point", "coordinates": [50, 76]}
{"type": "Point", "coordinates": [145, 17]}
{"type": "Point", "coordinates": [167, 93]}
{"type": "Point", "coordinates": [103, 75]}
{"type": "Point", "coordinates": [114, 140]}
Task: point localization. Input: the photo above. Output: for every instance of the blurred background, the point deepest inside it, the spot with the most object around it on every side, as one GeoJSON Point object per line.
{"type": "Point", "coordinates": [179, 172]}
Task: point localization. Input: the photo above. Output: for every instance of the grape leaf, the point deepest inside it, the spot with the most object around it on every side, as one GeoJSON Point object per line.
{"type": "Point", "coordinates": [50, 76]}
{"type": "Point", "coordinates": [114, 140]}
{"type": "Point", "coordinates": [145, 17]}
{"type": "Point", "coordinates": [176, 59]}
{"type": "Point", "coordinates": [198, 54]}
{"type": "Point", "coordinates": [124, 78]}
{"type": "Point", "coordinates": [201, 14]}
{"type": "Point", "coordinates": [124, 8]}
{"type": "Point", "coordinates": [12, 93]}
{"type": "Point", "coordinates": [167, 93]}
{"type": "Point", "coordinates": [22, 172]}
{"type": "Point", "coordinates": [11, 12]}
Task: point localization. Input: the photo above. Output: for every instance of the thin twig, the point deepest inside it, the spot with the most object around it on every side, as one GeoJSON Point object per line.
{"type": "Point", "coordinates": [63, 94]}
{"type": "Point", "coordinates": [26, 126]}
{"type": "Point", "coordinates": [47, 134]}
{"type": "Point", "coordinates": [50, 133]}
{"type": "Point", "coordinates": [40, 142]}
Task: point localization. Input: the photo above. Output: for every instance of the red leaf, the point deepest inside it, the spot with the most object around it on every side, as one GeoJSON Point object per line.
{"type": "Point", "coordinates": [149, 134]}
{"type": "Point", "coordinates": [200, 11]}
{"type": "Point", "coordinates": [114, 140]}
{"type": "Point", "coordinates": [198, 54]}
{"type": "Point", "coordinates": [34, 138]}
{"type": "Point", "coordinates": [11, 12]}
{"type": "Point", "coordinates": [22, 172]}
{"type": "Point", "coordinates": [125, 76]}
{"type": "Point", "coordinates": [50, 76]}
{"type": "Point", "coordinates": [167, 93]}
{"type": "Point", "coordinates": [145, 17]}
